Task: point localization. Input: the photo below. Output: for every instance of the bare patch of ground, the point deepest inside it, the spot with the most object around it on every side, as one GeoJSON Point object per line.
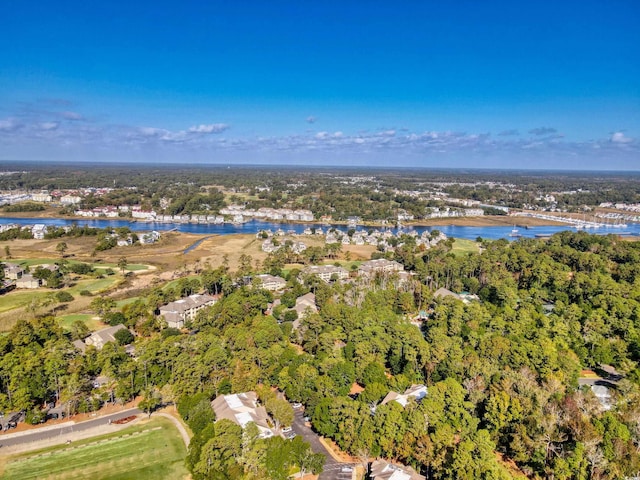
{"type": "Point", "coordinates": [486, 221]}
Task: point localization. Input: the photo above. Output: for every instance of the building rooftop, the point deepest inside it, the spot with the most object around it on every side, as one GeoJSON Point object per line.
{"type": "Point", "coordinates": [240, 408]}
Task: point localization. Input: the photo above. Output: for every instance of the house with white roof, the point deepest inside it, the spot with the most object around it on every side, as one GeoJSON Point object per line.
{"type": "Point", "coordinates": [241, 409]}
{"type": "Point", "coordinates": [383, 470]}
{"type": "Point", "coordinates": [417, 392]}
{"type": "Point", "coordinates": [603, 394]}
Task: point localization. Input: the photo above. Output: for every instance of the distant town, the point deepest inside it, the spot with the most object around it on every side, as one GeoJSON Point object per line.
{"type": "Point", "coordinates": [352, 346]}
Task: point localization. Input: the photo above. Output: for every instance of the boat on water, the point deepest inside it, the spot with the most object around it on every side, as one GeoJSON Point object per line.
{"type": "Point", "coordinates": [515, 233]}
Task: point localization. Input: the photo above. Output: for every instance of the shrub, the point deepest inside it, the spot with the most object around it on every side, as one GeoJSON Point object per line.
{"type": "Point", "coordinates": [64, 297]}
{"type": "Point", "coordinates": [85, 293]}
{"type": "Point", "coordinates": [114, 318]}
{"type": "Point", "coordinates": [124, 336]}
{"type": "Point", "coordinates": [80, 268]}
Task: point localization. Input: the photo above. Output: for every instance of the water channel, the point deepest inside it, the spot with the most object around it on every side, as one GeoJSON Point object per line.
{"type": "Point", "coordinates": [254, 226]}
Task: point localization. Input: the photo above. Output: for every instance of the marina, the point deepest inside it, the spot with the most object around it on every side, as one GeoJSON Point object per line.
{"type": "Point", "coordinates": [255, 226]}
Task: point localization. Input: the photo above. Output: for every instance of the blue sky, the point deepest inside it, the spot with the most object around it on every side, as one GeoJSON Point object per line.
{"type": "Point", "coordinates": [495, 84]}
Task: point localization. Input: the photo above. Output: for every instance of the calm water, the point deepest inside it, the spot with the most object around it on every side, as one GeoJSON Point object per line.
{"type": "Point", "coordinates": [255, 226]}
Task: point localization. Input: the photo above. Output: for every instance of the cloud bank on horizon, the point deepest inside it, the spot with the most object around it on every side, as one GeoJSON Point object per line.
{"type": "Point", "coordinates": [506, 85]}
{"type": "Point", "coordinates": [69, 136]}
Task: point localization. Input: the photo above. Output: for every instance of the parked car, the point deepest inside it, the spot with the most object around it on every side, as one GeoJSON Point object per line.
{"type": "Point", "coordinates": [297, 405]}
{"type": "Point", "coordinates": [287, 429]}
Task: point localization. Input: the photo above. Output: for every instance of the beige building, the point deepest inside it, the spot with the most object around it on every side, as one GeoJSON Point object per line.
{"type": "Point", "coordinates": [271, 282]}
{"type": "Point", "coordinates": [28, 281]}
{"type": "Point", "coordinates": [325, 272]}
{"type": "Point", "coordinates": [383, 470]}
{"type": "Point", "coordinates": [13, 271]}
{"type": "Point", "coordinates": [178, 312]}
{"type": "Point", "coordinates": [241, 409]}
{"type": "Point", "coordinates": [381, 265]}
{"type": "Point", "coordinates": [101, 337]}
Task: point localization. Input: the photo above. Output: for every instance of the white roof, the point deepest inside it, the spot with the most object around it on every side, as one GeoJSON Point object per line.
{"type": "Point", "coordinates": [234, 401]}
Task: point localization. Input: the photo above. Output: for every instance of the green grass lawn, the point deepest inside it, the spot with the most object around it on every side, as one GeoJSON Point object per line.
{"type": "Point", "coordinates": [462, 246]}
{"type": "Point", "coordinates": [66, 321]}
{"type": "Point", "coordinates": [93, 284]}
{"type": "Point", "coordinates": [173, 283]}
{"type": "Point", "coordinates": [22, 298]}
{"type": "Point", "coordinates": [36, 261]}
{"type": "Point", "coordinates": [133, 267]}
{"type": "Point", "coordinates": [148, 450]}
{"type": "Point", "coordinates": [126, 301]}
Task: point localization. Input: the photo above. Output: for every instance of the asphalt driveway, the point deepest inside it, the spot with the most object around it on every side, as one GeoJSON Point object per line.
{"type": "Point", "coordinates": [333, 469]}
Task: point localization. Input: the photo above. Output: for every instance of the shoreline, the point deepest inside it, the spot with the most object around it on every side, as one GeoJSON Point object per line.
{"type": "Point", "coordinates": [483, 221]}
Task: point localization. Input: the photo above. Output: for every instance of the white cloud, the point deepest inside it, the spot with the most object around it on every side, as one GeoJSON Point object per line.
{"type": "Point", "coordinates": [72, 116]}
{"type": "Point", "coordinates": [210, 128]}
{"type": "Point", "coordinates": [543, 131]}
{"type": "Point", "coordinates": [387, 133]}
{"type": "Point", "coordinates": [9, 125]}
{"type": "Point", "coordinates": [619, 137]}
{"type": "Point", "coordinates": [49, 125]}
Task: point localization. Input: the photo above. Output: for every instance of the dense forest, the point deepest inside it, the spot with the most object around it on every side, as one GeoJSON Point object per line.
{"type": "Point", "coordinates": [502, 372]}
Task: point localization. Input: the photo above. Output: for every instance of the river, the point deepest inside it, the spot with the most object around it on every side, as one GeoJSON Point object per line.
{"type": "Point", "coordinates": [255, 226]}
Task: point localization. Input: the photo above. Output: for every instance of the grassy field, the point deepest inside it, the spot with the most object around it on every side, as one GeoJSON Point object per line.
{"type": "Point", "coordinates": [22, 298]}
{"type": "Point", "coordinates": [66, 321]}
{"type": "Point", "coordinates": [149, 450]}
{"type": "Point", "coordinates": [462, 247]}
{"type": "Point", "coordinates": [135, 267]}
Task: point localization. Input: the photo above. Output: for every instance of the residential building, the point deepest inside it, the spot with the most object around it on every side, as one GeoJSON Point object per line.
{"type": "Point", "coordinates": [241, 409]}
{"type": "Point", "coordinates": [383, 470]}
{"type": "Point", "coordinates": [325, 272]}
{"type": "Point", "coordinates": [41, 197]}
{"type": "Point", "coordinates": [304, 304]}
{"type": "Point", "coordinates": [443, 292]}
{"type": "Point", "coordinates": [28, 281]}
{"type": "Point", "coordinates": [13, 271]}
{"type": "Point", "coordinates": [417, 392]}
{"type": "Point", "coordinates": [137, 212]}
{"type": "Point", "coordinates": [149, 237]}
{"type": "Point", "coordinates": [70, 199]}
{"type": "Point", "coordinates": [38, 231]}
{"type": "Point", "coordinates": [271, 282]}
{"type": "Point", "coordinates": [178, 312]}
{"type": "Point", "coordinates": [100, 338]}
{"type": "Point", "coordinates": [603, 395]}
{"type": "Point", "coordinates": [381, 265]}
{"type": "Point", "coordinates": [80, 345]}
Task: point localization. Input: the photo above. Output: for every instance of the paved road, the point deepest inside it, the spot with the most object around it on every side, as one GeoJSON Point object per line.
{"type": "Point", "coordinates": [67, 428]}
{"type": "Point", "coordinates": [596, 381]}
{"type": "Point", "coordinates": [333, 469]}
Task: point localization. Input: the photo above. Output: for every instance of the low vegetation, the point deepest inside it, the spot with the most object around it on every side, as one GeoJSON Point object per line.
{"type": "Point", "coordinates": [149, 450]}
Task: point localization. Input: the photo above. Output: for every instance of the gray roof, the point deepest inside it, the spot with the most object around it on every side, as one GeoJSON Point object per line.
{"type": "Point", "coordinates": [443, 292]}
{"type": "Point", "coordinates": [383, 470]}
{"type": "Point", "coordinates": [103, 336]}
{"type": "Point", "coordinates": [240, 408]}
{"type": "Point", "coordinates": [187, 303]}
